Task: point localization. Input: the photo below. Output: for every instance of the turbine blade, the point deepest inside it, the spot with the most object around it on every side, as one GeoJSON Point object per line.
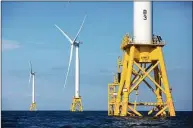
{"type": "Point", "coordinates": [30, 66]}
{"type": "Point", "coordinates": [29, 78]}
{"type": "Point", "coordinates": [80, 29]}
{"type": "Point", "coordinates": [64, 34]}
{"type": "Point", "coordinates": [71, 52]}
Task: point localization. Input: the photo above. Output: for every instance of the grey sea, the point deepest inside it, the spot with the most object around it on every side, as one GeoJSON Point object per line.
{"type": "Point", "coordinates": [89, 119]}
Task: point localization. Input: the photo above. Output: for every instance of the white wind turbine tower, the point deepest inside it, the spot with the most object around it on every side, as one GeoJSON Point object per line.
{"type": "Point", "coordinates": [76, 103]}
{"type": "Point", "coordinates": [32, 76]}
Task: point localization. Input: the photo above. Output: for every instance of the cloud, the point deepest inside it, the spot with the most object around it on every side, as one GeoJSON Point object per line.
{"type": "Point", "coordinates": [10, 45]}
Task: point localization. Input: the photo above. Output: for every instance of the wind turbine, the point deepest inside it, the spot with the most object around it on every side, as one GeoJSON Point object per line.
{"type": "Point", "coordinates": [74, 44]}
{"type": "Point", "coordinates": [32, 75]}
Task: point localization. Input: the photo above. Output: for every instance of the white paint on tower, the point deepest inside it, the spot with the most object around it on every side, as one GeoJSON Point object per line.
{"type": "Point", "coordinates": [77, 73]}
{"type": "Point", "coordinates": [33, 88]}
{"type": "Point", "coordinates": [142, 22]}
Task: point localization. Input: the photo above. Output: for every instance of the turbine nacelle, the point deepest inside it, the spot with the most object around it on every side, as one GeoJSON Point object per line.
{"type": "Point", "coordinates": [77, 43]}
{"type": "Point", "coordinates": [80, 42]}
{"type": "Point", "coordinates": [31, 72]}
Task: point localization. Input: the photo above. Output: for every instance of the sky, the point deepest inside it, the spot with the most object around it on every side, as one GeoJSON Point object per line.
{"type": "Point", "coordinates": [28, 33]}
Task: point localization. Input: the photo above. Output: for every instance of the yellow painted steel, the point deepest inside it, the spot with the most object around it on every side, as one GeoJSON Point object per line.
{"type": "Point", "coordinates": [139, 62]}
{"type": "Point", "coordinates": [76, 105]}
{"type": "Point", "coordinates": [32, 107]}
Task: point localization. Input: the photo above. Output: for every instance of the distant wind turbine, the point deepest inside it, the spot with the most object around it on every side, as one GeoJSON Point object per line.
{"type": "Point", "coordinates": [74, 44]}
{"type": "Point", "coordinates": [32, 75]}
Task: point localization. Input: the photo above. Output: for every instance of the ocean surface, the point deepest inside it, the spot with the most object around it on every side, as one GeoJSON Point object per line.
{"type": "Point", "coordinates": [89, 119]}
